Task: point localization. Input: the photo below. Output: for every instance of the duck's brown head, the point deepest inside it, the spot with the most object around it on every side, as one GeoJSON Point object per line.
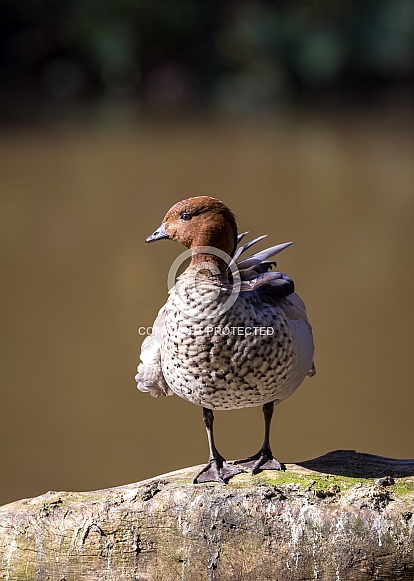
{"type": "Point", "coordinates": [199, 221]}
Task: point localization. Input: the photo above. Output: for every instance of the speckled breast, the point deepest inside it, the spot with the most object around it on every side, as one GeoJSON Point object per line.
{"type": "Point", "coordinates": [226, 357]}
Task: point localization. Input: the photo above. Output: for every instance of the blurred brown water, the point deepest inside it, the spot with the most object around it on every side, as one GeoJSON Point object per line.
{"type": "Point", "coordinates": [78, 281]}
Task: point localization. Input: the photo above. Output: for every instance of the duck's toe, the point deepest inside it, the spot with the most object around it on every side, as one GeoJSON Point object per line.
{"type": "Point", "coordinates": [217, 470]}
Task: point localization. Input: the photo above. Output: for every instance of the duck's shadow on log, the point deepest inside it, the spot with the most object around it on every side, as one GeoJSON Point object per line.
{"type": "Point", "coordinates": [359, 465]}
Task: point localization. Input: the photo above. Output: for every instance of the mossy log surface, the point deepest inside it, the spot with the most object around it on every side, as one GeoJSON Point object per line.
{"type": "Point", "coordinates": [342, 516]}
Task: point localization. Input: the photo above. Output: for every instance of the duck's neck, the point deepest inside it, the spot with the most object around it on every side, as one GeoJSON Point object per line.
{"type": "Point", "coordinates": [219, 266]}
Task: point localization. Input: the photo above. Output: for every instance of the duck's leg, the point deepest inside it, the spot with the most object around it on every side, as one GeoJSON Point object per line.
{"type": "Point", "coordinates": [264, 459]}
{"type": "Point", "coordinates": [217, 469]}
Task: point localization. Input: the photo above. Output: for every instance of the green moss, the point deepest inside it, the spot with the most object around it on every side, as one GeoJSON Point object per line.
{"type": "Point", "coordinates": [322, 485]}
{"type": "Point", "coordinates": [403, 487]}
{"type": "Point", "coordinates": [331, 484]}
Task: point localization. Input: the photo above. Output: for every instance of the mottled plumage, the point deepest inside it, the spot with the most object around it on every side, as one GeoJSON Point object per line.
{"type": "Point", "coordinates": [226, 338]}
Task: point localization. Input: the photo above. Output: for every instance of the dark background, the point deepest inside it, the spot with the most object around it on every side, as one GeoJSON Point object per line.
{"type": "Point", "coordinates": [299, 116]}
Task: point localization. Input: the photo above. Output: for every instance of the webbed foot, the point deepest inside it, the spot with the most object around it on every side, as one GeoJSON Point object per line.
{"type": "Point", "coordinates": [263, 460]}
{"type": "Point", "coordinates": [217, 470]}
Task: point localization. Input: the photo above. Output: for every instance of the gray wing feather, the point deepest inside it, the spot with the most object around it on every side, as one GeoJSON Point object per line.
{"type": "Point", "coordinates": [262, 255]}
{"type": "Point", "coordinates": [243, 248]}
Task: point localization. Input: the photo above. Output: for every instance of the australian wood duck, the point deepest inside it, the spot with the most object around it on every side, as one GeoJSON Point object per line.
{"type": "Point", "coordinates": [231, 334]}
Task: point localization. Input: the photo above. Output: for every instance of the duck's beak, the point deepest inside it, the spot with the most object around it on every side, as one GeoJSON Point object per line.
{"type": "Point", "coordinates": [159, 234]}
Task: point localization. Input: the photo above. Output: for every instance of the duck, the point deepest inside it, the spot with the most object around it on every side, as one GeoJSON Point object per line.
{"type": "Point", "coordinates": [232, 334]}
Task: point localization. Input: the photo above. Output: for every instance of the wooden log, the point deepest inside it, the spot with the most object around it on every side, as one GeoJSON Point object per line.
{"type": "Point", "coordinates": [344, 516]}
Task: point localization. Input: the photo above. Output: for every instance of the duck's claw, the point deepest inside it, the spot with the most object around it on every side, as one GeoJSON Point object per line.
{"type": "Point", "coordinates": [217, 470]}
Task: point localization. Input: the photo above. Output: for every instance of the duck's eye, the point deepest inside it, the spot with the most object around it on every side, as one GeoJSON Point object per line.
{"type": "Point", "coordinates": [185, 216]}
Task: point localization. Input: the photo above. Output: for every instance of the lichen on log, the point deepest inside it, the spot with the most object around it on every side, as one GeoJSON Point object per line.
{"type": "Point", "coordinates": [346, 523]}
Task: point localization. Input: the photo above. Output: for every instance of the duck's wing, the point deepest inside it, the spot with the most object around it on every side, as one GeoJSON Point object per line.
{"type": "Point", "coordinates": [254, 270]}
{"type": "Point", "coordinates": [150, 377]}
{"type": "Point", "coordinates": [295, 310]}
{"type": "Point", "coordinates": [259, 260]}
{"type": "Point", "coordinates": [277, 289]}
{"type": "Point", "coordinates": [271, 285]}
